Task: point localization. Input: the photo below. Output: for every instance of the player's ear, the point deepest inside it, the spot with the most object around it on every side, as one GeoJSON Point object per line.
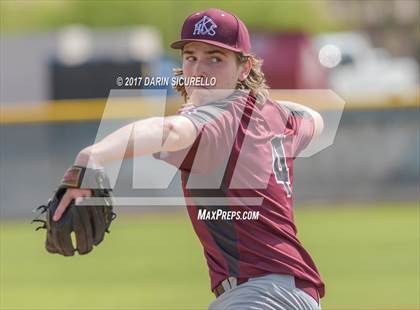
{"type": "Point", "coordinates": [245, 69]}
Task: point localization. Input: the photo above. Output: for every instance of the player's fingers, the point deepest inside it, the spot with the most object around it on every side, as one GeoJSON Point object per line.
{"type": "Point", "coordinates": [64, 203]}
{"type": "Point", "coordinates": [86, 192]}
{"type": "Point", "coordinates": [68, 196]}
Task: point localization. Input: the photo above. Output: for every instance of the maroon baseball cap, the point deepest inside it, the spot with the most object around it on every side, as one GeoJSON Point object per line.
{"type": "Point", "coordinates": [215, 27]}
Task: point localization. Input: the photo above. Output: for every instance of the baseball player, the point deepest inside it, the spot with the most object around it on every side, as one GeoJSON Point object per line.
{"type": "Point", "coordinates": [231, 134]}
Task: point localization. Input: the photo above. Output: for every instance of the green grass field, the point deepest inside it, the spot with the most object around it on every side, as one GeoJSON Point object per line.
{"type": "Point", "coordinates": [368, 256]}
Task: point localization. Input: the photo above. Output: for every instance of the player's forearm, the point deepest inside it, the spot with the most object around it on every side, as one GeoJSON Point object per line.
{"type": "Point", "coordinates": [136, 139]}
{"type": "Point", "coordinates": [120, 144]}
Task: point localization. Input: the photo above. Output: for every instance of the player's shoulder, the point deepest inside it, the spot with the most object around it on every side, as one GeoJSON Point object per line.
{"type": "Point", "coordinates": [303, 113]}
{"type": "Point", "coordinates": [294, 109]}
{"type": "Point", "coordinates": [275, 108]}
{"type": "Point", "coordinates": [288, 106]}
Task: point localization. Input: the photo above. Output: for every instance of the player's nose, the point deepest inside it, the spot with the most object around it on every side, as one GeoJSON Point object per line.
{"type": "Point", "coordinates": [200, 69]}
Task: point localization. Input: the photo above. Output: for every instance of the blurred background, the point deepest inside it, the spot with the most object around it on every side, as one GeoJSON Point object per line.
{"type": "Point", "coordinates": [357, 202]}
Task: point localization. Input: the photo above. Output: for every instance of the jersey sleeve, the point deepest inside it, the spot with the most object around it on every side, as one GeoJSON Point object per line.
{"type": "Point", "coordinates": [215, 125]}
{"type": "Point", "coordinates": [301, 126]}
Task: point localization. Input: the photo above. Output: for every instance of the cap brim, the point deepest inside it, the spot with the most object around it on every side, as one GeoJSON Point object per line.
{"type": "Point", "coordinates": [181, 43]}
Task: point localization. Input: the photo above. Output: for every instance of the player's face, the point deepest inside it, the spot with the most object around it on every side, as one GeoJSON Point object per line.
{"type": "Point", "coordinates": [208, 61]}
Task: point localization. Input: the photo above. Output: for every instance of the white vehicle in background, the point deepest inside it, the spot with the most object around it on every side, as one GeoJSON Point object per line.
{"type": "Point", "coordinates": [360, 72]}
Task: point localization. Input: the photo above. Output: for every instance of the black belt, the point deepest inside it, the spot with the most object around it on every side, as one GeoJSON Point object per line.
{"type": "Point", "coordinates": [219, 290]}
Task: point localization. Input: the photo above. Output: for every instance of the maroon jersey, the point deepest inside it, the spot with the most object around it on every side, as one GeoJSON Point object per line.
{"type": "Point", "coordinates": [242, 160]}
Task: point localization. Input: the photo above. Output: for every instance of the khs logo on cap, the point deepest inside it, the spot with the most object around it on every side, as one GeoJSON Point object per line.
{"type": "Point", "coordinates": [205, 26]}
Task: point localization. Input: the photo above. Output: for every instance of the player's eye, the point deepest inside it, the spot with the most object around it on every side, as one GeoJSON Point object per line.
{"type": "Point", "coordinates": [190, 58]}
{"type": "Point", "coordinates": [215, 60]}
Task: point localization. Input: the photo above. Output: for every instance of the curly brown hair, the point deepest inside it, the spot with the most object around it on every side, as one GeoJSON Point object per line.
{"type": "Point", "coordinates": [255, 81]}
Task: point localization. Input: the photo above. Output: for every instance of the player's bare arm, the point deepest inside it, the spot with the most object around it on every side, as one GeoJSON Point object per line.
{"type": "Point", "coordinates": [145, 137]}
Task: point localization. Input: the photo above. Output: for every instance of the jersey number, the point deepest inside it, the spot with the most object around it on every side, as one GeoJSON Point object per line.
{"type": "Point", "coordinates": [280, 169]}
